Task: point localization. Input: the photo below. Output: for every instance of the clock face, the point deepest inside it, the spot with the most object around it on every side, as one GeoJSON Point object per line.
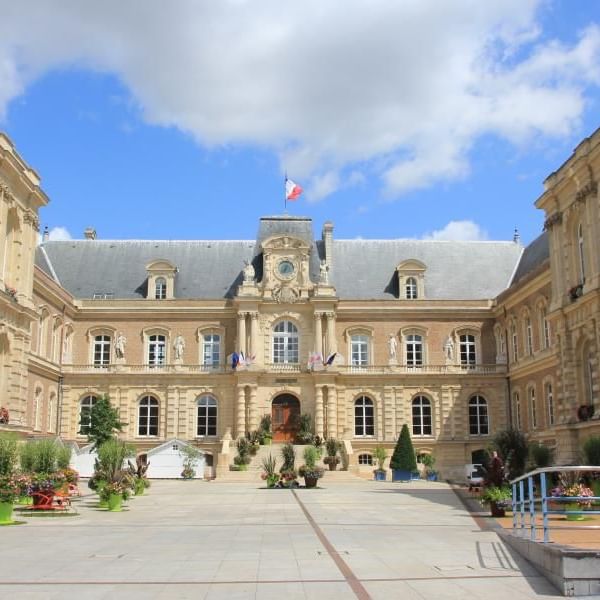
{"type": "Point", "coordinates": [286, 268]}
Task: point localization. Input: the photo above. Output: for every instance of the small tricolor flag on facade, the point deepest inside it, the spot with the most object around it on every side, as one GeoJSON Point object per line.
{"type": "Point", "coordinates": [292, 190]}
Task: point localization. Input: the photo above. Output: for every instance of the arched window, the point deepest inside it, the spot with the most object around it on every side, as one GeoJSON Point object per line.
{"type": "Point", "coordinates": [411, 288]}
{"type": "Point", "coordinates": [148, 416]}
{"type": "Point", "coordinates": [581, 252]}
{"type": "Point", "coordinates": [211, 349]}
{"type": "Point", "coordinates": [532, 408]}
{"type": "Point", "coordinates": [359, 350]}
{"type": "Point", "coordinates": [85, 413]}
{"type": "Point", "coordinates": [467, 350]}
{"type": "Point", "coordinates": [365, 459]}
{"type": "Point", "coordinates": [414, 350]}
{"type": "Point", "coordinates": [101, 350]}
{"type": "Point", "coordinates": [515, 341]}
{"type": "Point", "coordinates": [157, 350]}
{"type": "Point", "coordinates": [529, 335]}
{"type": "Point", "coordinates": [544, 327]}
{"type": "Point", "coordinates": [285, 342]}
{"type": "Point", "coordinates": [364, 417]}
{"type": "Point", "coordinates": [421, 416]}
{"type": "Point", "coordinates": [207, 416]}
{"type": "Point", "coordinates": [160, 288]}
{"type": "Point", "coordinates": [517, 410]}
{"type": "Point", "coordinates": [478, 416]}
{"type": "Point", "coordinates": [549, 403]}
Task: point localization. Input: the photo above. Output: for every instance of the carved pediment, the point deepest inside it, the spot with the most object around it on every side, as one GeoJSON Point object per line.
{"type": "Point", "coordinates": [285, 242]}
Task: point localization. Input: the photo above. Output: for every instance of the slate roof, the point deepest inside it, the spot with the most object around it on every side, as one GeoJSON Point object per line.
{"type": "Point", "coordinates": [362, 269]}
{"type": "Point", "coordinates": [534, 256]}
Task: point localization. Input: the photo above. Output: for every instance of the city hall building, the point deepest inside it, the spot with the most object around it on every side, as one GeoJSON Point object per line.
{"type": "Point", "coordinates": [197, 340]}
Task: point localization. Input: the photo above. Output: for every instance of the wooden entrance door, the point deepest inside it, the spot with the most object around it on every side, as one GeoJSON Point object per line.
{"type": "Point", "coordinates": [285, 416]}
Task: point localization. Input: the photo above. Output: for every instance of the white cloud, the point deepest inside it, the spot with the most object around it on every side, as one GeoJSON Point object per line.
{"type": "Point", "coordinates": [458, 231]}
{"type": "Point", "coordinates": [399, 90]}
{"type": "Point", "coordinates": [60, 234]}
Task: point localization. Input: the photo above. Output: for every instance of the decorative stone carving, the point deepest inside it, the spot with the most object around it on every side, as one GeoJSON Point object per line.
{"type": "Point", "coordinates": [323, 273]}
{"type": "Point", "coordinates": [392, 346]}
{"type": "Point", "coordinates": [449, 349]}
{"type": "Point", "coordinates": [120, 345]}
{"type": "Point", "coordinates": [249, 272]}
{"type": "Point", "coordinates": [285, 295]}
{"type": "Point", "coordinates": [179, 347]}
{"type": "Point", "coordinates": [31, 218]}
{"type": "Point", "coordinates": [552, 220]}
{"type": "Point", "coordinates": [586, 190]}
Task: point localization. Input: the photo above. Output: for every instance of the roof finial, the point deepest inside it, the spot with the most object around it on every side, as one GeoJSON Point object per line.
{"type": "Point", "coordinates": [46, 234]}
{"type": "Point", "coordinates": [517, 236]}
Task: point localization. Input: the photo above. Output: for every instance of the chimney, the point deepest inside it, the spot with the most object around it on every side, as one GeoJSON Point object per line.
{"type": "Point", "coordinates": [89, 233]}
{"type": "Point", "coordinates": [327, 237]}
{"type": "Point", "coordinates": [46, 234]}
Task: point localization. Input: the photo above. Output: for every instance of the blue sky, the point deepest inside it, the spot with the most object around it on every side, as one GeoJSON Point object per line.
{"type": "Point", "coordinates": [398, 119]}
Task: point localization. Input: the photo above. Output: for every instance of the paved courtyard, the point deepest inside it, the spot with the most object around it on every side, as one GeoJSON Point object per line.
{"type": "Point", "coordinates": [217, 540]}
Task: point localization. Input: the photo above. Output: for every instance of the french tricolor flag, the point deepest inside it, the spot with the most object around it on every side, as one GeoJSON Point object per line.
{"type": "Point", "coordinates": [292, 190]}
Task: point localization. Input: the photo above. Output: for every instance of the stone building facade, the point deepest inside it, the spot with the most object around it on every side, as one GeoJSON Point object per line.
{"type": "Point", "coordinates": [197, 340]}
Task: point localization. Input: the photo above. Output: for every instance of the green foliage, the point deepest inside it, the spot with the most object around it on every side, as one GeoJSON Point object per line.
{"type": "Point", "coordinates": [513, 448]}
{"type": "Point", "coordinates": [591, 451]}
{"type": "Point", "coordinates": [305, 433]}
{"type": "Point", "coordinates": [311, 456]}
{"type": "Point", "coordinates": [191, 456]}
{"type": "Point", "coordinates": [8, 455]}
{"type": "Point", "coordinates": [63, 456]}
{"type": "Point", "coordinates": [111, 458]}
{"type": "Point", "coordinates": [103, 422]}
{"type": "Point", "coordinates": [44, 456]}
{"type": "Point", "coordinates": [265, 425]}
{"type": "Point", "coordinates": [540, 456]}
{"type": "Point", "coordinates": [27, 457]}
{"type": "Point", "coordinates": [494, 493]}
{"type": "Point", "coordinates": [269, 465]}
{"type": "Point", "coordinates": [244, 449]}
{"type": "Point", "coordinates": [404, 454]}
{"type": "Point", "coordinates": [380, 455]}
{"type": "Point", "coordinates": [332, 446]}
{"type": "Point", "coordinates": [428, 460]}
{"type": "Point", "coordinates": [289, 458]}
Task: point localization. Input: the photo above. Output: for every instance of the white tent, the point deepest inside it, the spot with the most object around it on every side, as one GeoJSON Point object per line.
{"type": "Point", "coordinates": [166, 461]}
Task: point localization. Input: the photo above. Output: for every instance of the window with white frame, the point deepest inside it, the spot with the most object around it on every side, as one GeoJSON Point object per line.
{"type": "Point", "coordinates": [51, 413]}
{"type": "Point", "coordinates": [414, 350]}
{"type": "Point", "coordinates": [207, 416]}
{"type": "Point", "coordinates": [85, 413]}
{"type": "Point", "coordinates": [160, 288]}
{"type": "Point", "coordinates": [467, 350]}
{"type": "Point", "coordinates": [148, 416]}
{"type": "Point", "coordinates": [545, 327]}
{"type": "Point", "coordinates": [365, 459]}
{"type": "Point", "coordinates": [157, 350]}
{"type": "Point", "coordinates": [421, 416]}
{"type": "Point", "coordinates": [533, 408]}
{"type": "Point", "coordinates": [102, 346]}
{"type": "Point", "coordinates": [364, 417]}
{"type": "Point", "coordinates": [211, 349]}
{"type": "Point", "coordinates": [37, 409]}
{"type": "Point", "coordinates": [549, 402]}
{"type": "Point", "coordinates": [410, 287]}
{"type": "Point", "coordinates": [515, 341]}
{"type": "Point", "coordinates": [285, 342]}
{"type": "Point", "coordinates": [478, 416]}
{"type": "Point", "coordinates": [581, 252]}
{"type": "Point", "coordinates": [517, 410]}
{"type": "Point", "coordinates": [359, 350]}
{"type": "Point", "coordinates": [529, 335]}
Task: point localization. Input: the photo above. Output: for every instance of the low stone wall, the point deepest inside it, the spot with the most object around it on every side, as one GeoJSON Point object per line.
{"type": "Point", "coordinates": [574, 572]}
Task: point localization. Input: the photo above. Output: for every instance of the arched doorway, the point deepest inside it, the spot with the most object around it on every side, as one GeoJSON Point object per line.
{"type": "Point", "coordinates": [285, 416]}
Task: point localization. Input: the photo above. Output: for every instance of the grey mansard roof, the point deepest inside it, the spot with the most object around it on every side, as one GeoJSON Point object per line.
{"type": "Point", "coordinates": [535, 255]}
{"type": "Point", "coordinates": [362, 269]}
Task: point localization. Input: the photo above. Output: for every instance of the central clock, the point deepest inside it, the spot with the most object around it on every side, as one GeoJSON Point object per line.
{"type": "Point", "coordinates": [286, 269]}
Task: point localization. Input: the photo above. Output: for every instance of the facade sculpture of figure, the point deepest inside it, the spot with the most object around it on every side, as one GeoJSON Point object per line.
{"type": "Point", "coordinates": [449, 348]}
{"type": "Point", "coordinates": [249, 272]}
{"type": "Point", "coordinates": [392, 346]}
{"type": "Point", "coordinates": [323, 272]}
{"type": "Point", "coordinates": [120, 345]}
{"type": "Point", "coordinates": [179, 346]}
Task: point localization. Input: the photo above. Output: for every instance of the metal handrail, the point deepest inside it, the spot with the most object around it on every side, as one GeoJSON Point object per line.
{"type": "Point", "coordinates": [524, 502]}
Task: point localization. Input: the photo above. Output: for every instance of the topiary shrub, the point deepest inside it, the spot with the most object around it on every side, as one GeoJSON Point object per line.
{"type": "Point", "coordinates": [591, 450]}
{"type": "Point", "coordinates": [404, 458]}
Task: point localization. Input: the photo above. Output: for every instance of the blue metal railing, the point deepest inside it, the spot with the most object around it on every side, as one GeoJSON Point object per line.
{"type": "Point", "coordinates": [526, 502]}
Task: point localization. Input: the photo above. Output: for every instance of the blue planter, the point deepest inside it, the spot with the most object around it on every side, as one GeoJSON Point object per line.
{"type": "Point", "coordinates": [432, 477]}
{"type": "Point", "coordinates": [379, 475]}
{"type": "Point", "coordinates": [401, 475]}
{"type": "Point", "coordinates": [415, 476]}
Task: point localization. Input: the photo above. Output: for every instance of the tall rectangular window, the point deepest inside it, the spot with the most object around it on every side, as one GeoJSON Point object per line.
{"type": "Point", "coordinates": [550, 403]}
{"type": "Point", "coordinates": [101, 350]}
{"type": "Point", "coordinates": [156, 350]}
{"type": "Point", "coordinates": [414, 351]}
{"type": "Point", "coordinates": [360, 350]}
{"type": "Point", "coordinates": [211, 350]}
{"type": "Point", "coordinates": [533, 408]}
{"type": "Point", "coordinates": [467, 350]}
{"type": "Point", "coordinates": [529, 332]}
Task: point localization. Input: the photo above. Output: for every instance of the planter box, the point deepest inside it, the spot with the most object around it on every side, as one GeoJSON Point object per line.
{"type": "Point", "coordinates": [401, 475]}
{"type": "Point", "coordinates": [379, 475]}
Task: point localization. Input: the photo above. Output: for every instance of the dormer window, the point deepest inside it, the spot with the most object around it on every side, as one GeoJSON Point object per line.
{"type": "Point", "coordinates": [161, 280]}
{"type": "Point", "coordinates": [411, 279]}
{"type": "Point", "coordinates": [160, 289]}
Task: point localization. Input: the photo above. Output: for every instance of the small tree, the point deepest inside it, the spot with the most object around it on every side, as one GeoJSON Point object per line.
{"type": "Point", "coordinates": [103, 422]}
{"type": "Point", "coordinates": [404, 458]}
{"type": "Point", "coordinates": [513, 448]}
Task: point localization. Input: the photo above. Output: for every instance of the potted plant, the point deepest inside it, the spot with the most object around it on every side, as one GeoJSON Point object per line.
{"type": "Point", "coordinates": [429, 461]}
{"type": "Point", "coordinates": [287, 471]}
{"type": "Point", "coordinates": [269, 474]}
{"type": "Point", "coordinates": [305, 433]}
{"type": "Point", "coordinates": [138, 474]}
{"type": "Point", "coordinates": [266, 436]}
{"type": "Point", "coordinates": [114, 492]}
{"type": "Point", "coordinates": [190, 455]}
{"type": "Point", "coordinates": [243, 457]}
{"type": "Point", "coordinates": [404, 461]}
{"type": "Point", "coordinates": [9, 488]}
{"type": "Point", "coordinates": [380, 454]}
{"type": "Point", "coordinates": [498, 499]}
{"type": "Point", "coordinates": [109, 469]}
{"type": "Point", "coordinates": [332, 446]}
{"type": "Point", "coordinates": [309, 470]}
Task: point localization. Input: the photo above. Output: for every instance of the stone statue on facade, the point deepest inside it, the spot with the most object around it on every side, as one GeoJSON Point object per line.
{"type": "Point", "coordinates": [323, 273]}
{"type": "Point", "coordinates": [120, 345]}
{"type": "Point", "coordinates": [449, 349]}
{"type": "Point", "coordinates": [392, 346]}
{"type": "Point", "coordinates": [179, 346]}
{"type": "Point", "coordinates": [249, 272]}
